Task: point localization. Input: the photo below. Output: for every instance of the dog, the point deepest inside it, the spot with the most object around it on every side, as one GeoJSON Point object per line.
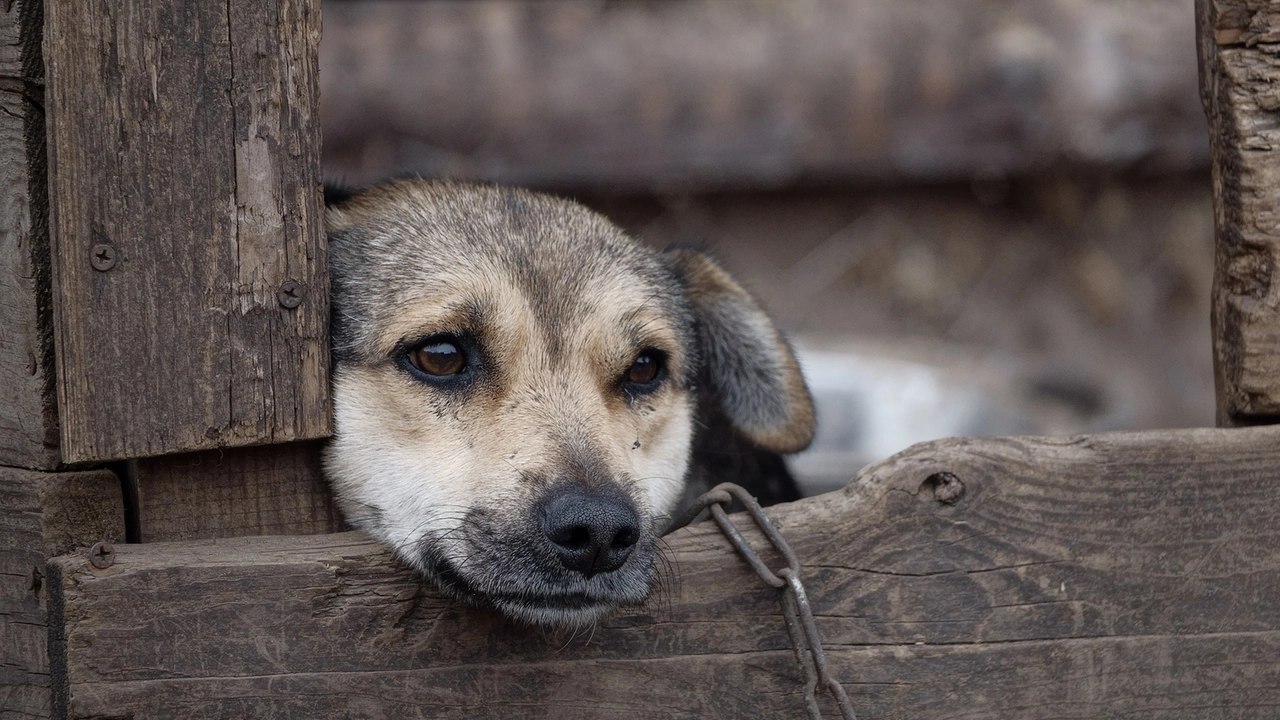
{"type": "Point", "coordinates": [524, 395]}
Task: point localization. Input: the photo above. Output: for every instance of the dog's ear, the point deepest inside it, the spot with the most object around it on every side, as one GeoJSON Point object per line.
{"type": "Point", "coordinates": [750, 368]}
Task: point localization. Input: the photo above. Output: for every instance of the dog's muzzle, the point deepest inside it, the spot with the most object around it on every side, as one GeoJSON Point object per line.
{"type": "Point", "coordinates": [576, 553]}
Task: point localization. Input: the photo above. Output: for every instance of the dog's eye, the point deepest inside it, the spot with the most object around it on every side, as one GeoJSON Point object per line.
{"type": "Point", "coordinates": [645, 368]}
{"type": "Point", "coordinates": [438, 358]}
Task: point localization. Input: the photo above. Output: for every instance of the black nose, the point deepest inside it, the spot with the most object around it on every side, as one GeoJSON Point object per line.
{"type": "Point", "coordinates": [589, 532]}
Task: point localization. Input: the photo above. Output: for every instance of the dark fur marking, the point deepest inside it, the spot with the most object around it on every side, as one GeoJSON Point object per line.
{"type": "Point", "coordinates": [722, 454]}
{"type": "Point", "coordinates": [336, 194]}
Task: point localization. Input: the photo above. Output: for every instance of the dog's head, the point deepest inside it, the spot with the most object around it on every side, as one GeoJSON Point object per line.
{"type": "Point", "coordinates": [515, 390]}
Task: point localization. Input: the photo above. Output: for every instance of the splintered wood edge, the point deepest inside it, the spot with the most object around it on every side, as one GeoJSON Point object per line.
{"type": "Point", "coordinates": [1239, 70]}
{"type": "Point", "coordinates": [28, 405]}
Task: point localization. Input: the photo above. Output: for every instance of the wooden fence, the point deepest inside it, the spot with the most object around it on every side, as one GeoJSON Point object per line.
{"type": "Point", "coordinates": [164, 384]}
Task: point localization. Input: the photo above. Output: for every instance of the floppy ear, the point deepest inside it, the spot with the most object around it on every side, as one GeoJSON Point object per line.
{"type": "Point", "coordinates": [749, 366]}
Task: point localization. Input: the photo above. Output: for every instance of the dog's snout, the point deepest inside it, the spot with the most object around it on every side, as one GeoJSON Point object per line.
{"type": "Point", "coordinates": [590, 533]}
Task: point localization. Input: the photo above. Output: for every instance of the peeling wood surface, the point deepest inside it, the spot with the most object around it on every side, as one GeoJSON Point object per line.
{"type": "Point", "coordinates": [28, 412]}
{"type": "Point", "coordinates": [1116, 575]}
{"type": "Point", "coordinates": [184, 161]}
{"type": "Point", "coordinates": [703, 95]}
{"type": "Point", "coordinates": [42, 515]}
{"type": "Point", "coordinates": [268, 490]}
{"type": "Point", "coordinates": [1240, 87]}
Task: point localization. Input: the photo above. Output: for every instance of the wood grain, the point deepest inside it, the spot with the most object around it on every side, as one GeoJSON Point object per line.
{"type": "Point", "coordinates": [183, 136]}
{"type": "Point", "coordinates": [1115, 575]}
{"type": "Point", "coordinates": [1239, 69]}
{"type": "Point", "coordinates": [702, 95]}
{"type": "Point", "coordinates": [42, 515]}
{"type": "Point", "coordinates": [268, 490]}
{"type": "Point", "coordinates": [28, 411]}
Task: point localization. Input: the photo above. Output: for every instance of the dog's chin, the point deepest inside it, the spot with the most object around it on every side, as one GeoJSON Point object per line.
{"type": "Point", "coordinates": [554, 612]}
{"type": "Point", "coordinates": [546, 602]}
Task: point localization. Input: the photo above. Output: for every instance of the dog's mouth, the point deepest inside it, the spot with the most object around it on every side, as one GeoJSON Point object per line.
{"type": "Point", "coordinates": [568, 610]}
{"type": "Point", "coordinates": [542, 595]}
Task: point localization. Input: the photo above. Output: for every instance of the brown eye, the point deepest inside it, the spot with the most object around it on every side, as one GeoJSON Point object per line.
{"type": "Point", "coordinates": [644, 369]}
{"type": "Point", "coordinates": [438, 358]}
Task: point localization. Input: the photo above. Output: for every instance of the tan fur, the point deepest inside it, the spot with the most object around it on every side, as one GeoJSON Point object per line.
{"type": "Point", "coordinates": [484, 448]}
{"type": "Point", "coordinates": [561, 303]}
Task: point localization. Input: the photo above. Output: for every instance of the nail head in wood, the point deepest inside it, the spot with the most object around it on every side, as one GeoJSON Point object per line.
{"type": "Point", "coordinates": [102, 555]}
{"type": "Point", "coordinates": [290, 295]}
{"type": "Point", "coordinates": [102, 257]}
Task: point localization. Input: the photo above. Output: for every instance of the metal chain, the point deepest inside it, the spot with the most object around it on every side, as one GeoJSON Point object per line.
{"type": "Point", "coordinates": [795, 603]}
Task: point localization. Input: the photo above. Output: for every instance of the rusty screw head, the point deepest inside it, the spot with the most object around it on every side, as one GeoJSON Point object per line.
{"type": "Point", "coordinates": [101, 555]}
{"type": "Point", "coordinates": [947, 488]}
{"type": "Point", "coordinates": [102, 257]}
{"type": "Point", "coordinates": [290, 295]}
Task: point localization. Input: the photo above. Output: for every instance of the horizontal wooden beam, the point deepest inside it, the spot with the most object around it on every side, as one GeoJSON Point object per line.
{"type": "Point", "coordinates": [267, 490]}
{"type": "Point", "coordinates": [704, 94]}
{"type": "Point", "coordinates": [1240, 69]}
{"type": "Point", "coordinates": [1125, 575]}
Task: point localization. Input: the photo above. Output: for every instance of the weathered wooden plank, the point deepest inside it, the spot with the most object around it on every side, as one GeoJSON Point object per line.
{"type": "Point", "coordinates": [704, 95]}
{"type": "Point", "coordinates": [1232, 676]}
{"type": "Point", "coordinates": [1239, 69]}
{"type": "Point", "coordinates": [28, 413]}
{"type": "Point", "coordinates": [190, 270]}
{"type": "Point", "coordinates": [268, 490]}
{"type": "Point", "coordinates": [1111, 575]}
{"type": "Point", "coordinates": [42, 515]}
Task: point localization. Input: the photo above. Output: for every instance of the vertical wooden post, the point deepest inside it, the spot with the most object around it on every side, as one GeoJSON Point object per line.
{"type": "Point", "coordinates": [189, 263]}
{"type": "Point", "coordinates": [1240, 87]}
{"type": "Point", "coordinates": [42, 515]}
{"type": "Point", "coordinates": [28, 417]}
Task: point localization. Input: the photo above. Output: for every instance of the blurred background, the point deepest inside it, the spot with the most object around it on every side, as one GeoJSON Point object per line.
{"type": "Point", "coordinates": [972, 217]}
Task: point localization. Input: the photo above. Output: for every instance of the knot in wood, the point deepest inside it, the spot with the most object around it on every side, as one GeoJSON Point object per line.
{"type": "Point", "coordinates": [947, 488]}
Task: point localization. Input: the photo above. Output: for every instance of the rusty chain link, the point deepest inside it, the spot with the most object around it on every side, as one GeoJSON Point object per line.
{"type": "Point", "coordinates": [795, 603]}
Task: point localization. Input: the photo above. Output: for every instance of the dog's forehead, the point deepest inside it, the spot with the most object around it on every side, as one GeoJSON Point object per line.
{"type": "Point", "coordinates": [418, 253]}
